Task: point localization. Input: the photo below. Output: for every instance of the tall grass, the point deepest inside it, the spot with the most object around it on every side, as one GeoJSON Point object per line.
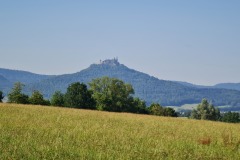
{"type": "Point", "coordinates": [36, 132]}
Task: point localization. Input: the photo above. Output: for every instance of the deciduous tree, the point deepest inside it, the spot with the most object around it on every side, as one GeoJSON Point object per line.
{"type": "Point", "coordinates": [138, 106]}
{"type": "Point", "coordinates": [157, 109]}
{"type": "Point", "coordinates": [16, 95]}
{"type": "Point", "coordinates": [78, 96]}
{"type": "Point", "coordinates": [37, 99]}
{"type": "Point", "coordinates": [206, 111]}
{"type": "Point", "coordinates": [112, 94]}
{"type": "Point", "coordinates": [231, 117]}
{"type": "Point", "coordinates": [57, 99]}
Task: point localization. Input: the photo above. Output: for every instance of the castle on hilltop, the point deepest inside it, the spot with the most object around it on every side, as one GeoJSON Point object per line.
{"type": "Point", "coordinates": [111, 62]}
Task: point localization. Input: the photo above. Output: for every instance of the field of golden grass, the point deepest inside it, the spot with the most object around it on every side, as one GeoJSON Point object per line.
{"type": "Point", "coordinates": [36, 132]}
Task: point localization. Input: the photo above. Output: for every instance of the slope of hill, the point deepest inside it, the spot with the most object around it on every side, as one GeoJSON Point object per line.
{"type": "Point", "coordinates": [4, 83]}
{"type": "Point", "coordinates": [234, 86]}
{"type": "Point", "coordinates": [22, 76]}
{"type": "Point", "coordinates": [38, 132]}
{"type": "Point", "coordinates": [146, 87]}
{"type": "Point", "coordinates": [192, 85]}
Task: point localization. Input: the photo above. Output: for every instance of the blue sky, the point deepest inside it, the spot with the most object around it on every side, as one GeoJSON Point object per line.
{"type": "Point", "coordinates": [197, 41]}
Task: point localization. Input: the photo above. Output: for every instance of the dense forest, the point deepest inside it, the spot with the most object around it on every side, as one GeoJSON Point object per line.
{"type": "Point", "coordinates": [148, 88]}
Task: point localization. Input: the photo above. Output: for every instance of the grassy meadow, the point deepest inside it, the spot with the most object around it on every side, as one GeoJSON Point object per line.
{"type": "Point", "coordinates": [36, 132]}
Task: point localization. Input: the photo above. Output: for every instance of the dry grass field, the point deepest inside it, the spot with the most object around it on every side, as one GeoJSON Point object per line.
{"type": "Point", "coordinates": [37, 132]}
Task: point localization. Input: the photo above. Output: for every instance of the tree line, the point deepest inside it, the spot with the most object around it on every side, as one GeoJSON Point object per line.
{"type": "Point", "coordinates": [111, 94]}
{"type": "Point", "coordinates": [104, 94]}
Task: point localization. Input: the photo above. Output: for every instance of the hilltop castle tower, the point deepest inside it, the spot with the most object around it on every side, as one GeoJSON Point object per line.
{"type": "Point", "coordinates": [111, 62]}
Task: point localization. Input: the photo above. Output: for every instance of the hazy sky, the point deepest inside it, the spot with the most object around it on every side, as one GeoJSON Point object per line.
{"type": "Point", "coordinates": [197, 41]}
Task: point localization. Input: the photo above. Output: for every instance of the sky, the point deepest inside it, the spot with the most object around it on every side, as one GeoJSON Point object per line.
{"type": "Point", "coordinates": [196, 41]}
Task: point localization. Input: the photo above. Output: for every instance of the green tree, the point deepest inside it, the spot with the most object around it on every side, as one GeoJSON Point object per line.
{"type": "Point", "coordinates": [57, 99]}
{"type": "Point", "coordinates": [1, 96]}
{"type": "Point", "coordinates": [169, 112]}
{"type": "Point", "coordinates": [78, 96]}
{"type": "Point", "coordinates": [37, 99]}
{"type": "Point", "coordinates": [138, 106]}
{"type": "Point", "coordinates": [16, 95]}
{"type": "Point", "coordinates": [112, 94]}
{"type": "Point", "coordinates": [206, 111]}
{"type": "Point", "coordinates": [194, 114]}
{"type": "Point", "coordinates": [231, 117]}
{"type": "Point", "coordinates": [156, 109]}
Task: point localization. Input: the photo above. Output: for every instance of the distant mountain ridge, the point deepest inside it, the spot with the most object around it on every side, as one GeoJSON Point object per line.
{"type": "Point", "coordinates": [22, 76]}
{"type": "Point", "coordinates": [234, 86]}
{"type": "Point", "coordinates": [8, 77]}
{"type": "Point", "coordinates": [146, 87]}
{"type": "Point", "coordinates": [192, 85]}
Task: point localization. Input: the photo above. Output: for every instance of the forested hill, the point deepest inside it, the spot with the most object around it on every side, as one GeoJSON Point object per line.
{"type": "Point", "coordinates": [4, 83]}
{"type": "Point", "coordinates": [21, 76]}
{"type": "Point", "coordinates": [146, 87]}
{"type": "Point", "coordinates": [235, 86]}
{"type": "Point", "coordinates": [9, 77]}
